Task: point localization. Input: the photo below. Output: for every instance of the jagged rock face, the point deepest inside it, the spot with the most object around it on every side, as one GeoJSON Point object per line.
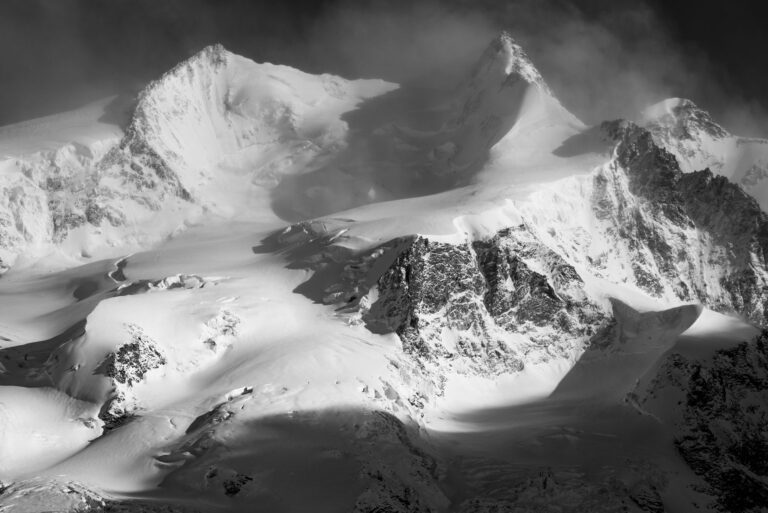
{"type": "Point", "coordinates": [126, 367]}
{"type": "Point", "coordinates": [698, 142]}
{"type": "Point", "coordinates": [522, 299]}
{"type": "Point", "coordinates": [684, 121]}
{"type": "Point", "coordinates": [505, 57]}
{"type": "Point", "coordinates": [722, 425]}
{"type": "Point", "coordinates": [133, 360]}
{"type": "Point", "coordinates": [491, 305]}
{"type": "Point", "coordinates": [693, 236]}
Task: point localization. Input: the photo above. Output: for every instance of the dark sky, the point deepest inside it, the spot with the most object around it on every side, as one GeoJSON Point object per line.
{"type": "Point", "coordinates": [603, 58]}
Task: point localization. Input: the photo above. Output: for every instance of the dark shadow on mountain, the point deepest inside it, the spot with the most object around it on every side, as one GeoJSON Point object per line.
{"type": "Point", "coordinates": [316, 460]}
{"type": "Point", "coordinates": [340, 276]}
{"type": "Point", "coordinates": [616, 357]}
{"type": "Point", "coordinates": [587, 419]}
{"type": "Point", "coordinates": [591, 140]}
{"type": "Point", "coordinates": [614, 362]}
{"type": "Point", "coordinates": [585, 441]}
{"type": "Point", "coordinates": [21, 362]}
{"type": "Point", "coordinates": [382, 161]}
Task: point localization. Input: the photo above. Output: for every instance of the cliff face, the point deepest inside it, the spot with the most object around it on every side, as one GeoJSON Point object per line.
{"type": "Point", "coordinates": [487, 307]}
{"type": "Point", "coordinates": [494, 303]}
{"type": "Point", "coordinates": [719, 418]}
{"type": "Point", "coordinates": [691, 236]}
{"type": "Point", "coordinates": [698, 142]}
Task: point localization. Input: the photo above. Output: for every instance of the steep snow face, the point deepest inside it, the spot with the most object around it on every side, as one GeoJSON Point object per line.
{"type": "Point", "coordinates": [503, 99]}
{"type": "Point", "coordinates": [220, 122]}
{"type": "Point", "coordinates": [210, 138]}
{"type": "Point", "coordinates": [698, 142]}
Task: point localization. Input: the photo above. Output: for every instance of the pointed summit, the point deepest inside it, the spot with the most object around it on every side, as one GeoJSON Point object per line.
{"type": "Point", "coordinates": [505, 58]}
{"type": "Point", "coordinates": [682, 118]}
{"type": "Point", "coordinates": [505, 101]}
{"type": "Point", "coordinates": [699, 142]}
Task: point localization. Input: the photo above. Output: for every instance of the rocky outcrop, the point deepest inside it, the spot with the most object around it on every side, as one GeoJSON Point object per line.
{"type": "Point", "coordinates": [720, 421]}
{"type": "Point", "coordinates": [128, 366]}
{"type": "Point", "coordinates": [488, 306]}
{"type": "Point", "coordinates": [132, 360]}
{"type": "Point", "coordinates": [692, 236]}
{"type": "Point", "coordinates": [698, 142]}
{"type": "Point", "coordinates": [682, 121]}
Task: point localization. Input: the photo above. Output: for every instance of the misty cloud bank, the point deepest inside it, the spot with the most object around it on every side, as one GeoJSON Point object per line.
{"type": "Point", "coordinates": [603, 59]}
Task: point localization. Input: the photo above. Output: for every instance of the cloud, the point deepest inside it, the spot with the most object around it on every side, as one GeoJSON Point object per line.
{"type": "Point", "coordinates": [603, 58]}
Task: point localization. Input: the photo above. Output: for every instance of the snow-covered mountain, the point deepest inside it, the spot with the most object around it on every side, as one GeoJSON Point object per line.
{"type": "Point", "coordinates": [698, 142]}
{"type": "Point", "coordinates": [275, 291]}
{"type": "Point", "coordinates": [206, 140]}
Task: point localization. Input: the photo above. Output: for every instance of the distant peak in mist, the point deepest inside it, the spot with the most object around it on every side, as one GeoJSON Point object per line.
{"type": "Point", "coordinates": [685, 116]}
{"type": "Point", "coordinates": [505, 56]}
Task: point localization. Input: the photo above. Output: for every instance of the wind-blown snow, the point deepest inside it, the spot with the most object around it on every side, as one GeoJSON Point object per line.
{"type": "Point", "coordinates": [473, 313]}
{"type": "Point", "coordinates": [699, 142]}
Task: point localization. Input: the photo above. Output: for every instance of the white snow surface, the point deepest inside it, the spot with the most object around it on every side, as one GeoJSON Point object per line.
{"type": "Point", "coordinates": [256, 146]}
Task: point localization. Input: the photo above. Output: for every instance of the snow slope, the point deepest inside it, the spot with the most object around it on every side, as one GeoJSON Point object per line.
{"type": "Point", "coordinates": [475, 312]}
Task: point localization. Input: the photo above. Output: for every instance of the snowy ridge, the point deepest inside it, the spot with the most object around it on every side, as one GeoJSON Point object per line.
{"type": "Point", "coordinates": [214, 124]}
{"type": "Point", "coordinates": [504, 96]}
{"type": "Point", "coordinates": [476, 314]}
{"type": "Point", "coordinates": [698, 143]}
{"type": "Point", "coordinates": [507, 57]}
{"type": "Point", "coordinates": [218, 112]}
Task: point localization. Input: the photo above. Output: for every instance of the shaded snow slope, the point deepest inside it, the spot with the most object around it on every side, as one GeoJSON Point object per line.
{"type": "Point", "coordinates": [504, 98]}
{"type": "Point", "coordinates": [219, 117]}
{"type": "Point", "coordinates": [476, 308]}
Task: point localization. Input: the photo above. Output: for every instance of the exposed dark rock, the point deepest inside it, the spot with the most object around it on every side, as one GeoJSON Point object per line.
{"type": "Point", "coordinates": [684, 119]}
{"type": "Point", "coordinates": [681, 230]}
{"type": "Point", "coordinates": [134, 359]}
{"type": "Point", "coordinates": [234, 485]}
{"type": "Point", "coordinates": [722, 432]}
{"type": "Point", "coordinates": [725, 438]}
{"type": "Point", "coordinates": [482, 292]}
{"type": "Point", "coordinates": [117, 411]}
{"type": "Point", "coordinates": [127, 366]}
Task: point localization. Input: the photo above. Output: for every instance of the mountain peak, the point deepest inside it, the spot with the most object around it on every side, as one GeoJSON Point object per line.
{"type": "Point", "coordinates": [506, 57]}
{"type": "Point", "coordinates": [215, 54]}
{"type": "Point", "coordinates": [211, 57]}
{"type": "Point", "coordinates": [683, 118]}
